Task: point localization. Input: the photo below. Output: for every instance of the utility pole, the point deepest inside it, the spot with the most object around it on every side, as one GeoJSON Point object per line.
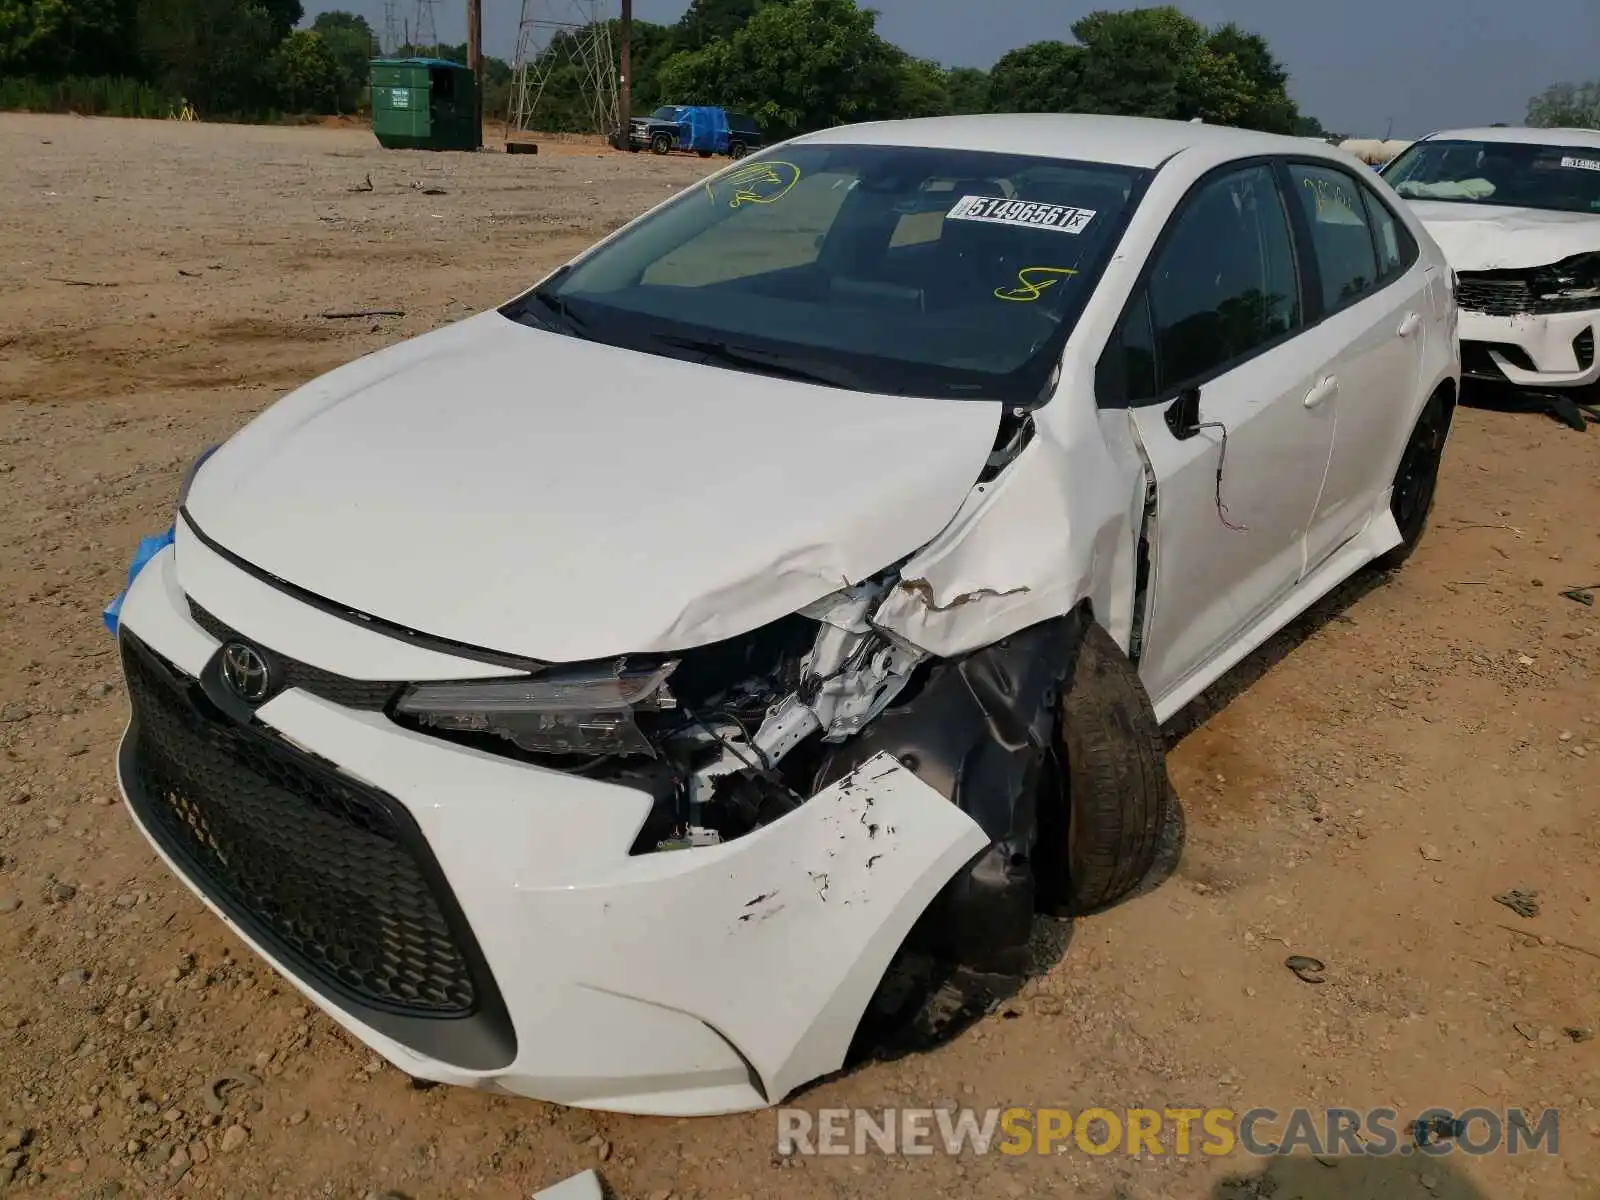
{"type": "Point", "coordinates": [625, 96]}
{"type": "Point", "coordinates": [475, 61]}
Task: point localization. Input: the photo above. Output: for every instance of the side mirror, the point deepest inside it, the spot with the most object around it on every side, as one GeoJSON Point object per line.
{"type": "Point", "coordinates": [1183, 414]}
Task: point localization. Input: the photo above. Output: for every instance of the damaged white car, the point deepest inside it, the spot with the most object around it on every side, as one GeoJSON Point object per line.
{"type": "Point", "coordinates": [1517, 212]}
{"type": "Point", "coordinates": [595, 698]}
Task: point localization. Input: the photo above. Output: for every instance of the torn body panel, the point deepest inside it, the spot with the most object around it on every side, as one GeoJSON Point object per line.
{"type": "Point", "coordinates": [981, 732]}
{"type": "Point", "coordinates": [1056, 528]}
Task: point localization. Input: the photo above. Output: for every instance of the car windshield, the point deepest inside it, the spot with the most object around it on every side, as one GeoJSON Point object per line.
{"type": "Point", "coordinates": [667, 113]}
{"type": "Point", "coordinates": [907, 270]}
{"type": "Point", "coordinates": [1522, 175]}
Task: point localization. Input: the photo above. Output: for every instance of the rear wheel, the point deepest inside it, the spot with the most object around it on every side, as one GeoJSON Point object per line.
{"type": "Point", "coordinates": [1100, 825]}
{"type": "Point", "coordinates": [1418, 477]}
{"type": "Point", "coordinates": [661, 143]}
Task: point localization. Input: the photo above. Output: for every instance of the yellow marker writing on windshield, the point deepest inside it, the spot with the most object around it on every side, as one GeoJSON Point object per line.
{"type": "Point", "coordinates": [1032, 282]}
{"type": "Point", "coordinates": [758, 183]}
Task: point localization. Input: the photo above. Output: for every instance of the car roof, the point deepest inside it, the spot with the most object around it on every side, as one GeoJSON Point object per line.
{"type": "Point", "coordinates": [1124, 141]}
{"type": "Point", "coordinates": [1522, 135]}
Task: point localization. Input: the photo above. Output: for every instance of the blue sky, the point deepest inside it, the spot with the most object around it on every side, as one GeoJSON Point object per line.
{"type": "Point", "coordinates": [1355, 64]}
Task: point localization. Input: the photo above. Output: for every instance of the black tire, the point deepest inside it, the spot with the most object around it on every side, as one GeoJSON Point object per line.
{"type": "Point", "coordinates": [1417, 478]}
{"type": "Point", "coordinates": [737, 150]}
{"type": "Point", "coordinates": [634, 149]}
{"type": "Point", "coordinates": [1100, 824]}
{"type": "Point", "coordinates": [703, 153]}
{"type": "Point", "coordinates": [661, 143]}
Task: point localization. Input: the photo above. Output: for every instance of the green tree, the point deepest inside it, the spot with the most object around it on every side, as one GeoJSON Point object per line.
{"type": "Point", "coordinates": [284, 15]}
{"type": "Point", "coordinates": [924, 89]}
{"type": "Point", "coordinates": [215, 53]}
{"type": "Point", "coordinates": [1043, 77]}
{"type": "Point", "coordinates": [348, 38]}
{"type": "Point", "coordinates": [1566, 106]}
{"type": "Point", "coordinates": [1149, 62]}
{"type": "Point", "coordinates": [796, 65]}
{"type": "Point", "coordinates": [708, 21]}
{"type": "Point", "coordinates": [968, 88]}
{"type": "Point", "coordinates": [53, 39]}
{"type": "Point", "coordinates": [1269, 106]}
{"type": "Point", "coordinates": [309, 76]}
{"type": "Point", "coordinates": [1134, 61]}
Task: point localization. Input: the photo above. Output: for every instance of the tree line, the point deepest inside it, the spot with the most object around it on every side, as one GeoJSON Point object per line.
{"type": "Point", "coordinates": [792, 64]}
{"type": "Point", "coordinates": [805, 64]}
{"type": "Point", "coordinates": [1566, 106]}
{"type": "Point", "coordinates": [227, 58]}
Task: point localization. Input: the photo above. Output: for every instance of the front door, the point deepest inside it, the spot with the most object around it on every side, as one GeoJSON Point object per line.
{"type": "Point", "coordinates": [1221, 312]}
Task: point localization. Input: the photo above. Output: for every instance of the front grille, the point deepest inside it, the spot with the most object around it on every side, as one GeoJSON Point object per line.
{"type": "Point", "coordinates": [1583, 347]}
{"type": "Point", "coordinates": [327, 873]}
{"type": "Point", "coordinates": [366, 695]}
{"type": "Point", "coordinates": [1511, 294]}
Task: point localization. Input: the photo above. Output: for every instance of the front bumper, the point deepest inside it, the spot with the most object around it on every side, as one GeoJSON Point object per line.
{"type": "Point", "coordinates": [682, 983]}
{"type": "Point", "coordinates": [1555, 351]}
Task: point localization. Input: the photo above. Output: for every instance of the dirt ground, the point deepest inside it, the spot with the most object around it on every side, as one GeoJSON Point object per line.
{"type": "Point", "coordinates": [1360, 792]}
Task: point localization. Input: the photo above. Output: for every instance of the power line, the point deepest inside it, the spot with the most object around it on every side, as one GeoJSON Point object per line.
{"type": "Point", "coordinates": [553, 34]}
{"type": "Point", "coordinates": [427, 33]}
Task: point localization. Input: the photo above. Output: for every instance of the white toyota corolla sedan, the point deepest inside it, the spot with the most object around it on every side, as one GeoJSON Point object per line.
{"type": "Point", "coordinates": [1517, 211]}
{"type": "Point", "coordinates": [606, 697]}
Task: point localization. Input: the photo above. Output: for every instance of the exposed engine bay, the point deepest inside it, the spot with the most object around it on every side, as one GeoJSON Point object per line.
{"type": "Point", "coordinates": [754, 717]}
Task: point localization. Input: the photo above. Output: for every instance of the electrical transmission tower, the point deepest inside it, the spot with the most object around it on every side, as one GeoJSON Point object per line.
{"type": "Point", "coordinates": [556, 34]}
{"type": "Point", "coordinates": [389, 43]}
{"type": "Point", "coordinates": [426, 33]}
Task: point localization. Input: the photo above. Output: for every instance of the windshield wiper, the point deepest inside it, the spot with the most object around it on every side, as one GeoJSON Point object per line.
{"type": "Point", "coordinates": [765, 362]}
{"type": "Point", "coordinates": [554, 313]}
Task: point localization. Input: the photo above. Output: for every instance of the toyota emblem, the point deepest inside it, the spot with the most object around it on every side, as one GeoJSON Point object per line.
{"type": "Point", "coordinates": [245, 672]}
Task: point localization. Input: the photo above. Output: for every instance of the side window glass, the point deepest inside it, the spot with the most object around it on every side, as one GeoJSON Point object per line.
{"type": "Point", "coordinates": [1396, 252]}
{"type": "Point", "coordinates": [1343, 243]}
{"type": "Point", "coordinates": [1126, 374]}
{"type": "Point", "coordinates": [1225, 283]}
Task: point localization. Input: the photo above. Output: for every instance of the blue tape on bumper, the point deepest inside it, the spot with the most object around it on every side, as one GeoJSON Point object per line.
{"type": "Point", "coordinates": [149, 547]}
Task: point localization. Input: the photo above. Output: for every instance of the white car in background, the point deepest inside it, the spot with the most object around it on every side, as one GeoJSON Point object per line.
{"type": "Point", "coordinates": [612, 697]}
{"type": "Point", "coordinates": [1517, 212]}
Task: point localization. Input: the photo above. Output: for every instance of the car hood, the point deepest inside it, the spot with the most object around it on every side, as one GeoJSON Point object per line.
{"type": "Point", "coordinates": [1486, 237]}
{"type": "Point", "coordinates": [544, 496]}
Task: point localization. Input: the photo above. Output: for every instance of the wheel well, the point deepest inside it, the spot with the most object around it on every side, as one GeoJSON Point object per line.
{"type": "Point", "coordinates": [1450, 391]}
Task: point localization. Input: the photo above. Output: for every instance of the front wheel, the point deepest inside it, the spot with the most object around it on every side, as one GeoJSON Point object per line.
{"type": "Point", "coordinates": [738, 150]}
{"type": "Point", "coordinates": [1101, 818]}
{"type": "Point", "coordinates": [661, 143]}
{"type": "Point", "coordinates": [1415, 482]}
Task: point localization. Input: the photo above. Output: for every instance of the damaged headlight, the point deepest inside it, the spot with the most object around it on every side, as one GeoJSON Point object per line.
{"type": "Point", "coordinates": [586, 711]}
{"type": "Point", "coordinates": [1576, 278]}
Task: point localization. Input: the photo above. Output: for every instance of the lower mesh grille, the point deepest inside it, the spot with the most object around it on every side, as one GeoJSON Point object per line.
{"type": "Point", "coordinates": [329, 874]}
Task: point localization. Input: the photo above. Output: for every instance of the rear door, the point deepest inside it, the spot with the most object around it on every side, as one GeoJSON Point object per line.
{"type": "Point", "coordinates": [1369, 294]}
{"type": "Point", "coordinates": [1220, 310]}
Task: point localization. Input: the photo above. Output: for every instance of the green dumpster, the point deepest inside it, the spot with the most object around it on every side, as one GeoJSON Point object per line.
{"type": "Point", "coordinates": [424, 104]}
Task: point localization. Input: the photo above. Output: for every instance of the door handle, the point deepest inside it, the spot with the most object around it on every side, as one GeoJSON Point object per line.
{"type": "Point", "coordinates": [1410, 325]}
{"type": "Point", "coordinates": [1328, 387]}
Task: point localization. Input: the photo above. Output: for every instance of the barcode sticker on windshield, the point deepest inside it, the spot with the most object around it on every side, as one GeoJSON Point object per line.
{"type": "Point", "coordinates": [997, 210]}
{"type": "Point", "coordinates": [1582, 164]}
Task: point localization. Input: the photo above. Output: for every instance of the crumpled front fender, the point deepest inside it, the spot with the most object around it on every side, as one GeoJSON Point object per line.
{"type": "Point", "coordinates": [1055, 528]}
